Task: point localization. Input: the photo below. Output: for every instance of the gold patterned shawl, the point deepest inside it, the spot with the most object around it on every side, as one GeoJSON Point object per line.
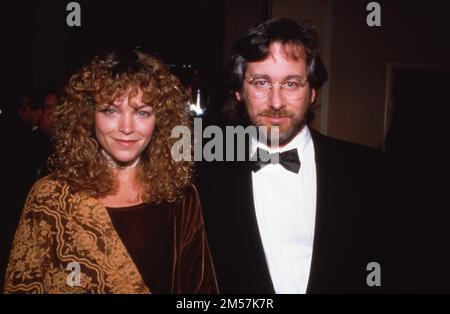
{"type": "Point", "coordinates": [58, 227]}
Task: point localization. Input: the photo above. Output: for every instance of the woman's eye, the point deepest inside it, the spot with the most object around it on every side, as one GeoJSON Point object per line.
{"type": "Point", "coordinates": [110, 111]}
{"type": "Point", "coordinates": [144, 113]}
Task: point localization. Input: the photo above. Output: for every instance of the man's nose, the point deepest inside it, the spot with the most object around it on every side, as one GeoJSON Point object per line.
{"type": "Point", "coordinates": [275, 97]}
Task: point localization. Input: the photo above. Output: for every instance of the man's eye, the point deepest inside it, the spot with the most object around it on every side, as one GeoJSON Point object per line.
{"type": "Point", "coordinates": [291, 84]}
{"type": "Point", "coordinates": [261, 83]}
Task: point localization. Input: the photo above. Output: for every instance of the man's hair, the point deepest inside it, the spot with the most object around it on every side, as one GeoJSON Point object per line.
{"type": "Point", "coordinates": [255, 46]}
{"type": "Point", "coordinates": [78, 159]}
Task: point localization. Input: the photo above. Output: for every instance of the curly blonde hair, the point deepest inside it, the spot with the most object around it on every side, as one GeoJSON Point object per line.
{"type": "Point", "coordinates": [78, 160]}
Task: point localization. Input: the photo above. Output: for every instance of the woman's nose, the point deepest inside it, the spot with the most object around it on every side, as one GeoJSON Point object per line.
{"type": "Point", "coordinates": [126, 124]}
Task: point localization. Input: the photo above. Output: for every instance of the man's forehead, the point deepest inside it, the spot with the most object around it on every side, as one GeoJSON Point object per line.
{"type": "Point", "coordinates": [289, 50]}
{"type": "Point", "coordinates": [51, 99]}
{"type": "Point", "coordinates": [51, 96]}
{"type": "Point", "coordinates": [284, 59]}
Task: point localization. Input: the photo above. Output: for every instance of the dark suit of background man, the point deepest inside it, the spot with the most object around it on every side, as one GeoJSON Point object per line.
{"type": "Point", "coordinates": [311, 226]}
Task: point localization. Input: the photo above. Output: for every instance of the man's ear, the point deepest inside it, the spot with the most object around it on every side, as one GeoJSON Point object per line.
{"type": "Point", "coordinates": [238, 95]}
{"type": "Point", "coordinates": [313, 95]}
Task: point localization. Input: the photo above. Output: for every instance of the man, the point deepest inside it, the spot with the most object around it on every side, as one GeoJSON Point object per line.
{"type": "Point", "coordinates": [19, 169]}
{"type": "Point", "coordinates": [27, 161]}
{"type": "Point", "coordinates": [46, 123]}
{"type": "Point", "coordinates": [310, 222]}
{"type": "Point", "coordinates": [24, 111]}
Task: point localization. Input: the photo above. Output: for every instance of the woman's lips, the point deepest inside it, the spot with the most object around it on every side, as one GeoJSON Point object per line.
{"type": "Point", "coordinates": [125, 143]}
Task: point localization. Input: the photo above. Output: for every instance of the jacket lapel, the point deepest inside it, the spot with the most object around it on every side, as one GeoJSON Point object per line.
{"type": "Point", "coordinates": [251, 258]}
{"type": "Point", "coordinates": [315, 276]}
{"type": "Point", "coordinates": [328, 265]}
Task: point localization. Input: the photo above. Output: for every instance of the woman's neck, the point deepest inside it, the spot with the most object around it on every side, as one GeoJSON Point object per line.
{"type": "Point", "coordinates": [115, 164]}
{"type": "Point", "coordinates": [128, 191]}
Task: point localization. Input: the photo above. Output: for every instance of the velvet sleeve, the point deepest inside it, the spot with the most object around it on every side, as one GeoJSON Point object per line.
{"type": "Point", "coordinates": [195, 270]}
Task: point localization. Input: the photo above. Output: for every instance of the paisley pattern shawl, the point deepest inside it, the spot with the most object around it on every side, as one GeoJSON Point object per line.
{"type": "Point", "coordinates": [58, 227]}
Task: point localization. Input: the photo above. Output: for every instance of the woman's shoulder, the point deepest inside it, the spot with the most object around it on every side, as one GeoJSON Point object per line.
{"type": "Point", "coordinates": [189, 203]}
{"type": "Point", "coordinates": [186, 205]}
{"type": "Point", "coordinates": [47, 188]}
{"type": "Point", "coordinates": [47, 185]}
{"type": "Point", "coordinates": [190, 193]}
{"type": "Point", "coordinates": [190, 211]}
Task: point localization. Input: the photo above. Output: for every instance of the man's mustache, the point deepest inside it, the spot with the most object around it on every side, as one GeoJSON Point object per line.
{"type": "Point", "coordinates": [271, 113]}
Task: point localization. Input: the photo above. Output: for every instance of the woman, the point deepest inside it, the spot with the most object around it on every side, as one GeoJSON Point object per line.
{"type": "Point", "coordinates": [118, 214]}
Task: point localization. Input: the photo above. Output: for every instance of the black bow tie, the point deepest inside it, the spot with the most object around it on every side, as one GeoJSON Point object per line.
{"type": "Point", "coordinates": [288, 159]}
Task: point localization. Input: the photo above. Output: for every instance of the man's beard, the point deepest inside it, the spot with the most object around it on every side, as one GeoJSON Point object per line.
{"type": "Point", "coordinates": [296, 124]}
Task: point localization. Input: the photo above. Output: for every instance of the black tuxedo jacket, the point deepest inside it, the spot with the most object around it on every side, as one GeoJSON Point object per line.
{"type": "Point", "coordinates": [352, 196]}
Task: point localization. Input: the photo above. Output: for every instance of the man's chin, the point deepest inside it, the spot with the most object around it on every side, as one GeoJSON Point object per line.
{"type": "Point", "coordinates": [283, 125]}
{"type": "Point", "coordinates": [284, 137]}
{"type": "Point", "coordinates": [273, 136]}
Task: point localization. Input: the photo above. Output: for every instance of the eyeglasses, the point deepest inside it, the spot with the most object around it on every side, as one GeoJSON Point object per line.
{"type": "Point", "coordinates": [260, 87]}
